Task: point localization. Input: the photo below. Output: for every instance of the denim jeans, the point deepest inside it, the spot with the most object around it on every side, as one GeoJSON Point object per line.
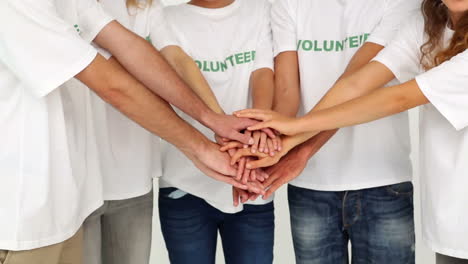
{"type": "Point", "coordinates": [378, 223]}
{"type": "Point", "coordinates": [190, 228]}
{"type": "Point", "coordinates": [120, 232]}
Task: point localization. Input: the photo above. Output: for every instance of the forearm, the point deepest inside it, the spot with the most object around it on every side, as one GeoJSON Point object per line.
{"type": "Point", "coordinates": [376, 105]}
{"type": "Point", "coordinates": [191, 74]}
{"type": "Point", "coordinates": [262, 84]}
{"type": "Point", "coordinates": [287, 85]}
{"type": "Point", "coordinates": [146, 64]}
{"type": "Point", "coordinates": [360, 77]}
{"type": "Point", "coordinates": [346, 88]}
{"type": "Point", "coordinates": [121, 90]}
{"type": "Point", "coordinates": [310, 147]}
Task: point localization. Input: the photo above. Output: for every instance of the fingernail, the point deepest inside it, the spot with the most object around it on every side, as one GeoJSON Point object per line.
{"type": "Point", "coordinates": [253, 150]}
{"type": "Point", "coordinates": [248, 166]}
{"type": "Point", "coordinates": [251, 141]}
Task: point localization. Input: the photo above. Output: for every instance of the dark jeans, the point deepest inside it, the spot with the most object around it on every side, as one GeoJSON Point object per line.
{"type": "Point", "coordinates": [190, 228]}
{"type": "Point", "coordinates": [378, 222]}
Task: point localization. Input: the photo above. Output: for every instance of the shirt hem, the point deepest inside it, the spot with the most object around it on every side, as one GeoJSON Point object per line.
{"type": "Point", "coordinates": [56, 239]}
{"type": "Point", "coordinates": [164, 183]}
{"type": "Point", "coordinates": [69, 73]}
{"type": "Point", "coordinates": [129, 195]}
{"type": "Point", "coordinates": [348, 187]}
{"type": "Point", "coordinates": [425, 87]}
{"type": "Point", "coordinates": [284, 48]}
{"type": "Point", "coordinates": [446, 251]}
{"type": "Point", "coordinates": [378, 41]}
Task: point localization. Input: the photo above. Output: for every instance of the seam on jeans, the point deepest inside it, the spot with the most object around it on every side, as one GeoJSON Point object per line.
{"type": "Point", "coordinates": [343, 211]}
{"type": "Point", "coordinates": [358, 211]}
{"type": "Point", "coordinates": [397, 193]}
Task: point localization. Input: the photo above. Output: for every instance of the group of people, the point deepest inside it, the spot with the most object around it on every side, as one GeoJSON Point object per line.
{"type": "Point", "coordinates": [100, 97]}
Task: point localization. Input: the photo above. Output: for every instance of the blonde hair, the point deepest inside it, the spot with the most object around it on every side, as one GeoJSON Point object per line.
{"type": "Point", "coordinates": [135, 3]}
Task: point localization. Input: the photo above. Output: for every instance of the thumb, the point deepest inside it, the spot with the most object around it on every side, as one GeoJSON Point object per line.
{"type": "Point", "coordinates": [244, 139]}
{"type": "Point", "coordinates": [261, 126]}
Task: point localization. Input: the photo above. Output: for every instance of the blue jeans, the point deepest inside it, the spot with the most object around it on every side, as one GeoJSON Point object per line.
{"type": "Point", "coordinates": [190, 228]}
{"type": "Point", "coordinates": [378, 222]}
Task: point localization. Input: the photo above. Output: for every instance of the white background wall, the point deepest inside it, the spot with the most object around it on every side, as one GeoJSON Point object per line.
{"type": "Point", "coordinates": [284, 253]}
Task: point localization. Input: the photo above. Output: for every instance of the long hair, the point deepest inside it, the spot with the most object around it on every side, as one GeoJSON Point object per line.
{"type": "Point", "coordinates": [135, 3]}
{"type": "Point", "coordinates": [436, 18]}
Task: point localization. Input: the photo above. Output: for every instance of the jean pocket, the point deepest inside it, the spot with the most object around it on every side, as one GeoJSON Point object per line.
{"type": "Point", "coordinates": [401, 189]}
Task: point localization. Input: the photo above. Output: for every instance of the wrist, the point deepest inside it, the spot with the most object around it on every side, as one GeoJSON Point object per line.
{"type": "Point", "coordinates": [198, 143]}
{"type": "Point", "coordinates": [209, 119]}
{"type": "Point", "coordinates": [305, 151]}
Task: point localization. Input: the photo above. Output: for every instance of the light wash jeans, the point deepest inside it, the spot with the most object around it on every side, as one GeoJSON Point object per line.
{"type": "Point", "coordinates": [120, 232]}
{"type": "Point", "coordinates": [441, 259]}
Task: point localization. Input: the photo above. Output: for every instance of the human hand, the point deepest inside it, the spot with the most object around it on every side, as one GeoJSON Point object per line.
{"type": "Point", "coordinates": [264, 143]}
{"type": "Point", "coordinates": [215, 164]}
{"type": "Point", "coordinates": [286, 170]}
{"type": "Point", "coordinates": [230, 127]}
{"type": "Point", "coordinates": [264, 160]}
{"type": "Point", "coordinates": [242, 196]}
{"type": "Point", "coordinates": [271, 119]}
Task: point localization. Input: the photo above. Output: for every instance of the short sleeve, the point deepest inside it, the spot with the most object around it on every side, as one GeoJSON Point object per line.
{"type": "Point", "coordinates": [41, 49]}
{"type": "Point", "coordinates": [446, 88]}
{"type": "Point", "coordinates": [264, 49]}
{"type": "Point", "coordinates": [161, 35]}
{"type": "Point", "coordinates": [395, 13]}
{"type": "Point", "coordinates": [283, 25]}
{"type": "Point", "coordinates": [92, 19]}
{"type": "Point", "coordinates": [402, 54]}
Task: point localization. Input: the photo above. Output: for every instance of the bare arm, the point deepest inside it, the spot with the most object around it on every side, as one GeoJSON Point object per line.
{"type": "Point", "coordinates": [287, 84]}
{"type": "Point", "coordinates": [144, 62]}
{"type": "Point", "coordinates": [116, 86]}
{"type": "Point", "coordinates": [376, 105]}
{"type": "Point", "coordinates": [340, 93]}
{"type": "Point", "coordinates": [188, 70]}
{"type": "Point", "coordinates": [262, 83]}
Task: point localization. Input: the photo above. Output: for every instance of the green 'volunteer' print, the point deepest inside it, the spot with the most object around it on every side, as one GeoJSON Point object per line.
{"type": "Point", "coordinates": [231, 61]}
{"type": "Point", "coordinates": [332, 45]}
{"type": "Point", "coordinates": [77, 28]}
{"type": "Point", "coordinates": [148, 38]}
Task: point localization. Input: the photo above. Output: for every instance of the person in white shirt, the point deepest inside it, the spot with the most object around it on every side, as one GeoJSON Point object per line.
{"type": "Point", "coordinates": [120, 230]}
{"type": "Point", "coordinates": [359, 181]}
{"type": "Point", "coordinates": [50, 184]}
{"type": "Point", "coordinates": [429, 57]}
{"type": "Point", "coordinates": [231, 43]}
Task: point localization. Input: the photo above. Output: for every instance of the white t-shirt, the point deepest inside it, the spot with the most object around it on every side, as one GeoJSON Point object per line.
{"type": "Point", "coordinates": [46, 194]}
{"type": "Point", "coordinates": [444, 137]}
{"type": "Point", "coordinates": [129, 154]}
{"type": "Point", "coordinates": [228, 44]}
{"type": "Point", "coordinates": [326, 34]}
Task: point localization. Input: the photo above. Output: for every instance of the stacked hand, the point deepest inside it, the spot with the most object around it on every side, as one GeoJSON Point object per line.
{"type": "Point", "coordinates": [251, 159]}
{"type": "Point", "coordinates": [270, 140]}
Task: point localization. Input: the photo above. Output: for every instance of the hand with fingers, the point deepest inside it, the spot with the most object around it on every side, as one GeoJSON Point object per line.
{"type": "Point", "coordinates": [242, 196]}
{"type": "Point", "coordinates": [231, 127]}
{"type": "Point", "coordinates": [261, 160]}
{"type": "Point", "coordinates": [272, 141]}
{"type": "Point", "coordinates": [286, 170]}
{"type": "Point", "coordinates": [270, 119]}
{"type": "Point", "coordinates": [264, 142]}
{"type": "Point", "coordinates": [216, 165]}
